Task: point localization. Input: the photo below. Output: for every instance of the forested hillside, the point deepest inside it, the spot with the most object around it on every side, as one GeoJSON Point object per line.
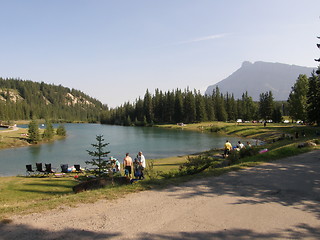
{"type": "Point", "coordinates": [25, 100]}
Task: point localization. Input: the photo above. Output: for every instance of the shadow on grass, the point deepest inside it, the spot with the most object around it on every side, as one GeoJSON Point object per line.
{"type": "Point", "coordinates": [166, 164]}
{"type": "Point", "coordinates": [49, 192]}
{"type": "Point", "coordinates": [25, 232]}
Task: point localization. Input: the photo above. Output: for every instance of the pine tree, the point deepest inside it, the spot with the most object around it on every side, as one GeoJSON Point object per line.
{"type": "Point", "coordinates": [276, 115]}
{"type": "Point", "coordinates": [297, 100]}
{"type": "Point", "coordinates": [189, 108]}
{"type": "Point", "coordinates": [209, 108]}
{"type": "Point", "coordinates": [98, 156]}
{"type": "Point", "coordinates": [178, 107]}
{"type": "Point", "coordinates": [219, 105]}
{"type": "Point", "coordinates": [313, 99]}
{"type": "Point", "coordinates": [266, 105]}
{"type": "Point", "coordinates": [147, 107]}
{"type": "Point", "coordinates": [49, 131]}
{"type": "Point", "coordinates": [33, 132]}
{"type": "Point", "coordinates": [200, 108]}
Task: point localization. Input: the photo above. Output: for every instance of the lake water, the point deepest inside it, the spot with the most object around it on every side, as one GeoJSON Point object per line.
{"type": "Point", "coordinates": [153, 142]}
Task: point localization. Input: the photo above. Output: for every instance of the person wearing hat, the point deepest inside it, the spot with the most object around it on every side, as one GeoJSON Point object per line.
{"type": "Point", "coordinates": [142, 162]}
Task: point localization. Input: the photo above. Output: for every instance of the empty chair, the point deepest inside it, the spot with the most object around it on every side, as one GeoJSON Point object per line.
{"type": "Point", "coordinates": [48, 169]}
{"type": "Point", "coordinates": [39, 168]}
{"type": "Point", "coordinates": [29, 170]}
{"type": "Point", "coordinates": [64, 168]}
{"type": "Point", "coordinates": [78, 169]}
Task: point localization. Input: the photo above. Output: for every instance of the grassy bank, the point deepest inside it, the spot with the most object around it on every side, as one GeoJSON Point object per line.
{"type": "Point", "coordinates": [11, 138]}
{"type": "Point", "coordinates": [21, 195]}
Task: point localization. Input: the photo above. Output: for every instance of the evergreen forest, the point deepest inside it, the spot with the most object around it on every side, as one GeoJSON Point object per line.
{"type": "Point", "coordinates": [25, 100]}
{"type": "Point", "coordinates": [191, 106]}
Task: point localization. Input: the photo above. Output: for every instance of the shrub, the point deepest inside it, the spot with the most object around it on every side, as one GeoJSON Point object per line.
{"type": "Point", "coordinates": [61, 131]}
{"type": "Point", "coordinates": [248, 152]}
{"type": "Point", "coordinates": [234, 156]}
{"type": "Point", "coordinates": [215, 129]}
{"type": "Point", "coordinates": [195, 165]}
{"type": "Point", "coordinates": [150, 172]}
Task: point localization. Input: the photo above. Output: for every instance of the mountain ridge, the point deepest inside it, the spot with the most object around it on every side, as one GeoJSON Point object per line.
{"type": "Point", "coordinates": [260, 77]}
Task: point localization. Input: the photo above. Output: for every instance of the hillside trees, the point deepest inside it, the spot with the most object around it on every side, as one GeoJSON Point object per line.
{"type": "Point", "coordinates": [25, 100]}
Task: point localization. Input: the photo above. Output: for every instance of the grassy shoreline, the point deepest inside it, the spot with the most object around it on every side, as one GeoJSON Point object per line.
{"type": "Point", "coordinates": [18, 138]}
{"type": "Point", "coordinates": [23, 195]}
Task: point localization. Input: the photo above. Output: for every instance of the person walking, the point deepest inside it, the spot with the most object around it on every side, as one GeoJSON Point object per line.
{"type": "Point", "coordinates": [127, 165]}
{"type": "Point", "coordinates": [142, 161]}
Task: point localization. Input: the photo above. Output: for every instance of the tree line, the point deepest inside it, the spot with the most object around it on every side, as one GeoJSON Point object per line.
{"type": "Point", "coordinates": [187, 106]}
{"type": "Point", "coordinates": [26, 100]}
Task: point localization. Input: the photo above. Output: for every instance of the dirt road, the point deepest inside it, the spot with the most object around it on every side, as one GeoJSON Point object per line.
{"type": "Point", "coordinates": [279, 200]}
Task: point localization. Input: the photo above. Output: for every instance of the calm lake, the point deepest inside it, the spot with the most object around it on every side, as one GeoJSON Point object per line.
{"type": "Point", "coordinates": [153, 142]}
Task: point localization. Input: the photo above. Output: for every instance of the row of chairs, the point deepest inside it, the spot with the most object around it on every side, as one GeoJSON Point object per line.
{"type": "Point", "coordinates": [48, 169]}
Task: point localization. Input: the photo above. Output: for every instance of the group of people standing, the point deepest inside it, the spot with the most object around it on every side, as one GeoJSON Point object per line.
{"type": "Point", "coordinates": [228, 147]}
{"type": "Point", "coordinates": [137, 166]}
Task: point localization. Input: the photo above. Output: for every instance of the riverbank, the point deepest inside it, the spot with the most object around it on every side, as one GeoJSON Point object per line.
{"type": "Point", "coordinates": [271, 132]}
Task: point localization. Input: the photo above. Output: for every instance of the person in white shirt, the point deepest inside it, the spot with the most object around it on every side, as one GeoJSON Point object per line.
{"type": "Point", "coordinates": [142, 162]}
{"type": "Point", "coordinates": [240, 145]}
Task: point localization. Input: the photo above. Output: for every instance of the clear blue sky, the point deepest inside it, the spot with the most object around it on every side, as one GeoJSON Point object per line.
{"type": "Point", "coordinates": [113, 50]}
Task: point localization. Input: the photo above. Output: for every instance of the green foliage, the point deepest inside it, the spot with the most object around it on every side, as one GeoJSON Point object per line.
{"type": "Point", "coordinates": [297, 101]}
{"type": "Point", "coordinates": [313, 99]}
{"type": "Point", "coordinates": [266, 105]}
{"type": "Point", "coordinates": [61, 131]}
{"type": "Point", "coordinates": [49, 131]}
{"type": "Point", "coordinates": [33, 132]}
{"type": "Point", "coordinates": [46, 101]}
{"type": "Point", "coordinates": [234, 156]}
{"type": "Point", "coordinates": [180, 107]}
{"type": "Point", "coordinates": [248, 152]}
{"type": "Point", "coordinates": [150, 172]}
{"type": "Point", "coordinates": [195, 165]}
{"type": "Point", "coordinates": [276, 115]}
{"type": "Point", "coordinates": [98, 156]}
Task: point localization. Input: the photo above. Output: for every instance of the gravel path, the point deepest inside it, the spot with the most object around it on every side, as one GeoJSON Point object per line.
{"type": "Point", "coordinates": [279, 200]}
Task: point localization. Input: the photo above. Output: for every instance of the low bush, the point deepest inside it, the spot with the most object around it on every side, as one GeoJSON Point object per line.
{"type": "Point", "coordinates": [234, 156]}
{"type": "Point", "coordinates": [195, 165]}
{"type": "Point", "coordinates": [150, 172]}
{"type": "Point", "coordinates": [248, 152]}
{"type": "Point", "coordinates": [214, 129]}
